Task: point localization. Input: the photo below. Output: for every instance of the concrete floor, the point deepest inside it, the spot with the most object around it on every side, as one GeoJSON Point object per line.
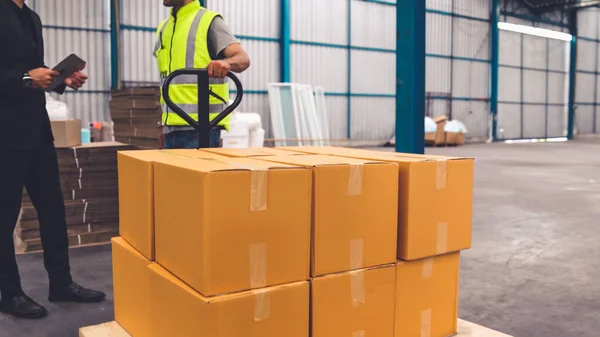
{"type": "Point", "coordinates": [91, 267]}
{"type": "Point", "coordinates": [534, 269]}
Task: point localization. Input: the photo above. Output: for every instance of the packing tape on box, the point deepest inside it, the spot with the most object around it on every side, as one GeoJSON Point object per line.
{"type": "Point", "coordinates": [258, 265]}
{"type": "Point", "coordinates": [357, 287]}
{"type": "Point", "coordinates": [442, 238]}
{"type": "Point", "coordinates": [262, 305]}
{"type": "Point", "coordinates": [357, 254]}
{"type": "Point", "coordinates": [426, 323]}
{"type": "Point", "coordinates": [258, 181]}
{"type": "Point", "coordinates": [258, 190]}
{"type": "Point", "coordinates": [359, 333]}
{"type": "Point", "coordinates": [76, 158]}
{"type": "Point", "coordinates": [84, 210]}
{"type": "Point", "coordinates": [355, 183]}
{"type": "Point", "coordinates": [441, 174]}
{"type": "Point", "coordinates": [427, 268]}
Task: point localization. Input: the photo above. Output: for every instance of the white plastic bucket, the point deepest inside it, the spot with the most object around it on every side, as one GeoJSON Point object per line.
{"type": "Point", "coordinates": [257, 138]}
{"type": "Point", "coordinates": [252, 119]}
{"type": "Point", "coordinates": [238, 136]}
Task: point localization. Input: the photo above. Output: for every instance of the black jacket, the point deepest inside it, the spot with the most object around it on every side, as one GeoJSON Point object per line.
{"type": "Point", "coordinates": [24, 122]}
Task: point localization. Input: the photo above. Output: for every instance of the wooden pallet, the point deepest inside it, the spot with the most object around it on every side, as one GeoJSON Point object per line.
{"type": "Point", "coordinates": [112, 329]}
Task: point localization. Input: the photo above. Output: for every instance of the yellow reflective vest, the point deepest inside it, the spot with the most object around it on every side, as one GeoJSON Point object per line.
{"type": "Point", "coordinates": [182, 42]}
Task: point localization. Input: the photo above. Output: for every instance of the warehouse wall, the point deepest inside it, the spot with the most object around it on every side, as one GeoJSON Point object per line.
{"type": "Point", "coordinates": [355, 66]}
{"type": "Point", "coordinates": [82, 27]}
{"type": "Point", "coordinates": [138, 26]}
{"type": "Point", "coordinates": [348, 48]}
{"type": "Point", "coordinates": [587, 113]}
{"type": "Point", "coordinates": [533, 84]}
{"type": "Point", "coordinates": [458, 62]}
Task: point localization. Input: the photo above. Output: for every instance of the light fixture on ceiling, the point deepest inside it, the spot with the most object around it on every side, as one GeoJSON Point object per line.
{"type": "Point", "coordinates": [547, 33]}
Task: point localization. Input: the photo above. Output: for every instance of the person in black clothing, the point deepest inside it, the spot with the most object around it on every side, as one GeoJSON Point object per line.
{"type": "Point", "coordinates": [29, 160]}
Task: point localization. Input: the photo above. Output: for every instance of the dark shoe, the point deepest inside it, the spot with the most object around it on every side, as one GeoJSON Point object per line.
{"type": "Point", "coordinates": [75, 293]}
{"type": "Point", "coordinates": [22, 307]}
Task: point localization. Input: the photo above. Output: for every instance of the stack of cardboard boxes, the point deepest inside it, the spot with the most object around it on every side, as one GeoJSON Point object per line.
{"type": "Point", "coordinates": [261, 242]}
{"type": "Point", "coordinates": [88, 177]}
{"type": "Point", "coordinates": [441, 137]}
{"type": "Point", "coordinates": [136, 113]}
{"type": "Point", "coordinates": [434, 224]}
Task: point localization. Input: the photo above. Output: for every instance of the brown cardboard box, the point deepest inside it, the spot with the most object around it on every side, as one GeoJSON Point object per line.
{"type": "Point", "coordinates": [440, 135]}
{"type": "Point", "coordinates": [436, 200]}
{"type": "Point", "coordinates": [136, 199]}
{"type": "Point", "coordinates": [177, 310]}
{"type": "Point", "coordinates": [254, 152]}
{"type": "Point", "coordinates": [358, 303]}
{"type": "Point", "coordinates": [136, 194]}
{"type": "Point", "coordinates": [131, 288]}
{"type": "Point", "coordinates": [455, 138]}
{"type": "Point", "coordinates": [427, 297]}
{"type": "Point", "coordinates": [67, 133]}
{"type": "Point", "coordinates": [355, 211]}
{"type": "Point", "coordinates": [430, 138]}
{"type": "Point", "coordinates": [230, 225]}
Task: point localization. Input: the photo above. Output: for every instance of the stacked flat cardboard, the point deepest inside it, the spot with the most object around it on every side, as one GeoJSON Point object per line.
{"type": "Point", "coordinates": [136, 113]}
{"type": "Point", "coordinates": [89, 183]}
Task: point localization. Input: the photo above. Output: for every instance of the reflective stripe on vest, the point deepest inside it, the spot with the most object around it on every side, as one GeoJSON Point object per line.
{"type": "Point", "coordinates": [195, 22]}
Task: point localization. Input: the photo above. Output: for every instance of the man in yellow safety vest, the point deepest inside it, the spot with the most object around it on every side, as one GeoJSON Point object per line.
{"type": "Point", "coordinates": [194, 37]}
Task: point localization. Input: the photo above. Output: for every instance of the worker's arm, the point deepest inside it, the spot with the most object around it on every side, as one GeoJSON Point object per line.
{"type": "Point", "coordinates": [236, 60]}
{"type": "Point", "coordinates": [225, 50]}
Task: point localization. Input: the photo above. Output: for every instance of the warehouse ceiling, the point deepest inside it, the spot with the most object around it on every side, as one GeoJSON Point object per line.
{"type": "Point", "coordinates": [541, 6]}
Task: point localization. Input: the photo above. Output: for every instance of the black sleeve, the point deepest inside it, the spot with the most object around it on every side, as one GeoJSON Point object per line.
{"type": "Point", "coordinates": [11, 81]}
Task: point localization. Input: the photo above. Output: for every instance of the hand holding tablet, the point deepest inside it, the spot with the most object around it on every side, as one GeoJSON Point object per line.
{"type": "Point", "coordinates": [66, 69]}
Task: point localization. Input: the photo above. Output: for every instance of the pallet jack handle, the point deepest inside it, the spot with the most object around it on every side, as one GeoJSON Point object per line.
{"type": "Point", "coordinates": [203, 125]}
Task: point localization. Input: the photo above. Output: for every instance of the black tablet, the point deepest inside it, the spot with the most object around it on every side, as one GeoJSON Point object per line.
{"type": "Point", "coordinates": [66, 68]}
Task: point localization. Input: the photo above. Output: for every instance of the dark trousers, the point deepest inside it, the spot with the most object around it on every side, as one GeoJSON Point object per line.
{"type": "Point", "coordinates": [188, 139]}
{"type": "Point", "coordinates": [38, 172]}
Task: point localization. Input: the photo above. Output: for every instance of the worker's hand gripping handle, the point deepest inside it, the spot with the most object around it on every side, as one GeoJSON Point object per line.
{"type": "Point", "coordinates": [202, 78]}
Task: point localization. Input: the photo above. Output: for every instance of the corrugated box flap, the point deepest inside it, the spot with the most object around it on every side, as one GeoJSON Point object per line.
{"type": "Point", "coordinates": [221, 164]}
{"type": "Point", "coordinates": [253, 152]}
{"type": "Point", "coordinates": [320, 160]}
{"type": "Point", "coordinates": [100, 144]}
{"type": "Point", "coordinates": [144, 155]}
{"type": "Point", "coordinates": [424, 157]}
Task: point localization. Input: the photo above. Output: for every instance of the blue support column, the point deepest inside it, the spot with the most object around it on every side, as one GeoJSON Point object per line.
{"type": "Point", "coordinates": [285, 41]}
{"type": "Point", "coordinates": [410, 76]}
{"type": "Point", "coordinates": [572, 75]}
{"type": "Point", "coordinates": [203, 3]}
{"type": "Point", "coordinates": [522, 72]}
{"type": "Point", "coordinates": [349, 77]}
{"type": "Point", "coordinates": [547, 83]}
{"type": "Point", "coordinates": [495, 67]}
{"type": "Point", "coordinates": [115, 65]}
